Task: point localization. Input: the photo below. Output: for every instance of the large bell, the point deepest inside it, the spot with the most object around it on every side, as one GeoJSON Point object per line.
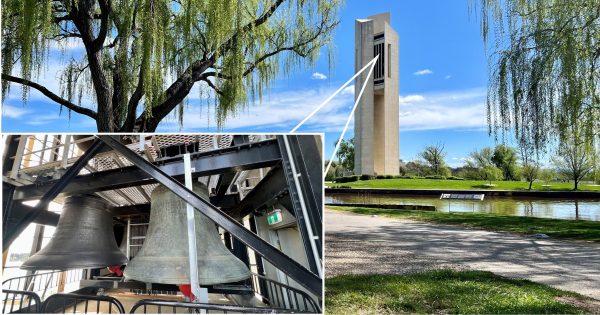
{"type": "Point", "coordinates": [164, 255]}
{"type": "Point", "coordinates": [83, 238]}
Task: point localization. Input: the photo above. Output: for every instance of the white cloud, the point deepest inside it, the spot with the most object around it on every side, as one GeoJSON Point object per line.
{"type": "Point", "coordinates": [462, 109]}
{"type": "Point", "coordinates": [13, 111]}
{"type": "Point", "coordinates": [318, 76]}
{"type": "Point", "coordinates": [447, 77]}
{"type": "Point", "coordinates": [279, 112]}
{"type": "Point", "coordinates": [349, 90]}
{"type": "Point", "coordinates": [411, 99]}
{"type": "Point", "coordinates": [423, 72]}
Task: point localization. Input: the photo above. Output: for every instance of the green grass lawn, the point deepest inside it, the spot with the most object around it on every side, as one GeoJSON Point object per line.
{"type": "Point", "coordinates": [444, 291]}
{"type": "Point", "coordinates": [556, 228]}
{"type": "Point", "coordinates": [402, 183]}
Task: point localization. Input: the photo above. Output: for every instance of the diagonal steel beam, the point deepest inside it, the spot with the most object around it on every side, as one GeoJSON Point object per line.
{"type": "Point", "coordinates": [289, 266]}
{"type": "Point", "coordinates": [42, 205]}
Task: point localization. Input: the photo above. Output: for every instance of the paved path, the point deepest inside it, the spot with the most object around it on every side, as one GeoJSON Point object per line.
{"type": "Point", "coordinates": [366, 244]}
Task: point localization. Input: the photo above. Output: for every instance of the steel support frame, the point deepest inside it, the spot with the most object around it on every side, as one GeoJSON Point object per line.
{"type": "Point", "coordinates": [9, 236]}
{"type": "Point", "coordinates": [265, 193]}
{"type": "Point", "coordinates": [289, 266]}
{"type": "Point", "coordinates": [226, 179]}
{"type": "Point", "coordinates": [307, 161]}
{"type": "Point", "coordinates": [298, 200]}
{"type": "Point", "coordinates": [244, 157]}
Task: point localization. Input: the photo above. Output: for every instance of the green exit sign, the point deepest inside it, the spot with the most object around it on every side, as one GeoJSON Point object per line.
{"type": "Point", "coordinates": [274, 217]}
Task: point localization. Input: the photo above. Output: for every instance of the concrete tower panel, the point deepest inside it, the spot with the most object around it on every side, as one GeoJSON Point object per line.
{"type": "Point", "coordinates": [376, 124]}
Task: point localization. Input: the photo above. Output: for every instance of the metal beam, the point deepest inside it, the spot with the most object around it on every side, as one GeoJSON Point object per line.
{"type": "Point", "coordinates": [226, 179]}
{"type": "Point", "coordinates": [9, 236]}
{"type": "Point", "coordinates": [143, 209]}
{"type": "Point", "coordinates": [299, 198]}
{"type": "Point", "coordinates": [273, 187]}
{"type": "Point", "coordinates": [20, 210]}
{"type": "Point", "coordinates": [289, 266]}
{"type": "Point", "coordinates": [244, 157]}
{"type": "Point", "coordinates": [309, 162]}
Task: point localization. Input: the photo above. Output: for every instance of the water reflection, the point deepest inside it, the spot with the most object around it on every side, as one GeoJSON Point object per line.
{"type": "Point", "coordinates": [588, 209]}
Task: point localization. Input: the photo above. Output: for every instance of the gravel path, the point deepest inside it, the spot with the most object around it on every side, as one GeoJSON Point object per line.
{"type": "Point", "coordinates": [362, 244]}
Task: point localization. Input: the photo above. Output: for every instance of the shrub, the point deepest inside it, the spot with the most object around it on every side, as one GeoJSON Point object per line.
{"type": "Point", "coordinates": [455, 178]}
{"type": "Point", "coordinates": [346, 179]}
{"type": "Point", "coordinates": [435, 177]}
{"type": "Point", "coordinates": [389, 176]}
{"type": "Point", "coordinates": [341, 186]}
{"type": "Point", "coordinates": [365, 177]}
{"type": "Point", "coordinates": [380, 176]}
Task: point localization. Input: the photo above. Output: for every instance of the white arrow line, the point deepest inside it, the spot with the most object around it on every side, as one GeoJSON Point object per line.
{"type": "Point", "coordinates": [337, 146]}
{"type": "Point", "coordinates": [371, 63]}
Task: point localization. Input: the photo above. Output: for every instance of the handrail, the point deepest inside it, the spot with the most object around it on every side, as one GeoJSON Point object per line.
{"type": "Point", "coordinates": [25, 295]}
{"type": "Point", "coordinates": [77, 298]}
{"type": "Point", "coordinates": [26, 276]}
{"type": "Point", "coordinates": [42, 282]}
{"type": "Point", "coordinates": [201, 307]}
{"type": "Point", "coordinates": [284, 296]}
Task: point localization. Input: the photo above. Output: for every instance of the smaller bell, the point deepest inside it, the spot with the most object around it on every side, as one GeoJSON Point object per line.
{"type": "Point", "coordinates": [83, 238]}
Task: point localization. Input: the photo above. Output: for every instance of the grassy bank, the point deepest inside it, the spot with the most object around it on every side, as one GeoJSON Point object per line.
{"type": "Point", "coordinates": [556, 228]}
{"type": "Point", "coordinates": [445, 291]}
{"type": "Point", "coordinates": [402, 183]}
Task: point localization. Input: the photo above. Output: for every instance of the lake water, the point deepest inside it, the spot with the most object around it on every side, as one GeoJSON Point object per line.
{"type": "Point", "coordinates": [584, 209]}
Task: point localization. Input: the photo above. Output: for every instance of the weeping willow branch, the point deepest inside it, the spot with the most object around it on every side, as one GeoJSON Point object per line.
{"type": "Point", "coordinates": [545, 80]}
{"type": "Point", "coordinates": [52, 96]}
{"type": "Point", "coordinates": [150, 53]}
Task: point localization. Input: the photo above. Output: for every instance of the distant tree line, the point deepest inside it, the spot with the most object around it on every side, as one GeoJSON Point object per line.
{"type": "Point", "coordinates": [570, 162]}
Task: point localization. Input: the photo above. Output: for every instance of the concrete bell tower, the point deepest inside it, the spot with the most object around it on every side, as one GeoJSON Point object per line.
{"type": "Point", "coordinates": [376, 122]}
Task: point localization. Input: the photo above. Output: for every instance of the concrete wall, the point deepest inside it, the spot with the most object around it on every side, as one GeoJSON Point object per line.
{"type": "Point", "coordinates": [286, 237]}
{"type": "Point", "coordinates": [363, 119]}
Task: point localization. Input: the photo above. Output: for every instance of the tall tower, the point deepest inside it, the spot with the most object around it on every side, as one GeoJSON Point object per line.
{"type": "Point", "coordinates": [376, 123]}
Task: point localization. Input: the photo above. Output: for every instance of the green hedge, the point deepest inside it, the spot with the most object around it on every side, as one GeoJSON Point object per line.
{"type": "Point", "coordinates": [346, 179]}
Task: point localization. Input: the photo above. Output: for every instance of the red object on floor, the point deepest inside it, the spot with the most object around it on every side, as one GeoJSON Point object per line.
{"type": "Point", "coordinates": [186, 290]}
{"type": "Point", "coordinates": [116, 270]}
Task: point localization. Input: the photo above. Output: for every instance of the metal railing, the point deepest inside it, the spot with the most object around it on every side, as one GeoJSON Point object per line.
{"type": "Point", "coordinates": [69, 303]}
{"type": "Point", "coordinates": [172, 307]}
{"type": "Point", "coordinates": [43, 283]}
{"type": "Point", "coordinates": [18, 299]}
{"type": "Point", "coordinates": [280, 295]}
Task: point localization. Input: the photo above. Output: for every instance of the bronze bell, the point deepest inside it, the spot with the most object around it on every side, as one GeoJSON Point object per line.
{"type": "Point", "coordinates": [164, 255]}
{"type": "Point", "coordinates": [83, 238]}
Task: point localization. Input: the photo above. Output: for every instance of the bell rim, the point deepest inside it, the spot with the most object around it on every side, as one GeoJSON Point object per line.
{"type": "Point", "coordinates": [49, 261]}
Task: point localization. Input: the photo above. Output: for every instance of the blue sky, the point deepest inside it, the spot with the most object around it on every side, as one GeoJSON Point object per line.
{"type": "Point", "coordinates": [443, 76]}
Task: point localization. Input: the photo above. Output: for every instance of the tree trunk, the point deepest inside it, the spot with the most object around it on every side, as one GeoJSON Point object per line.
{"type": "Point", "coordinates": [576, 183]}
{"type": "Point", "coordinates": [530, 183]}
{"type": "Point", "coordinates": [105, 118]}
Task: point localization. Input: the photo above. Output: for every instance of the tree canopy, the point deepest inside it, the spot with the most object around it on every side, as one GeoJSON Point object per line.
{"type": "Point", "coordinates": [345, 154]}
{"type": "Point", "coordinates": [142, 57]}
{"type": "Point", "coordinates": [505, 158]}
{"type": "Point", "coordinates": [544, 82]}
{"type": "Point", "coordinates": [434, 156]}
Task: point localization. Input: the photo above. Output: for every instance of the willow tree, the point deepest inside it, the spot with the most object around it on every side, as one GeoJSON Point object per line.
{"type": "Point", "coordinates": [545, 70]}
{"type": "Point", "coordinates": [143, 57]}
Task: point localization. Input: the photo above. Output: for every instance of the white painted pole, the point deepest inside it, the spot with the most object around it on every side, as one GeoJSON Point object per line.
{"type": "Point", "coordinates": [200, 295]}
